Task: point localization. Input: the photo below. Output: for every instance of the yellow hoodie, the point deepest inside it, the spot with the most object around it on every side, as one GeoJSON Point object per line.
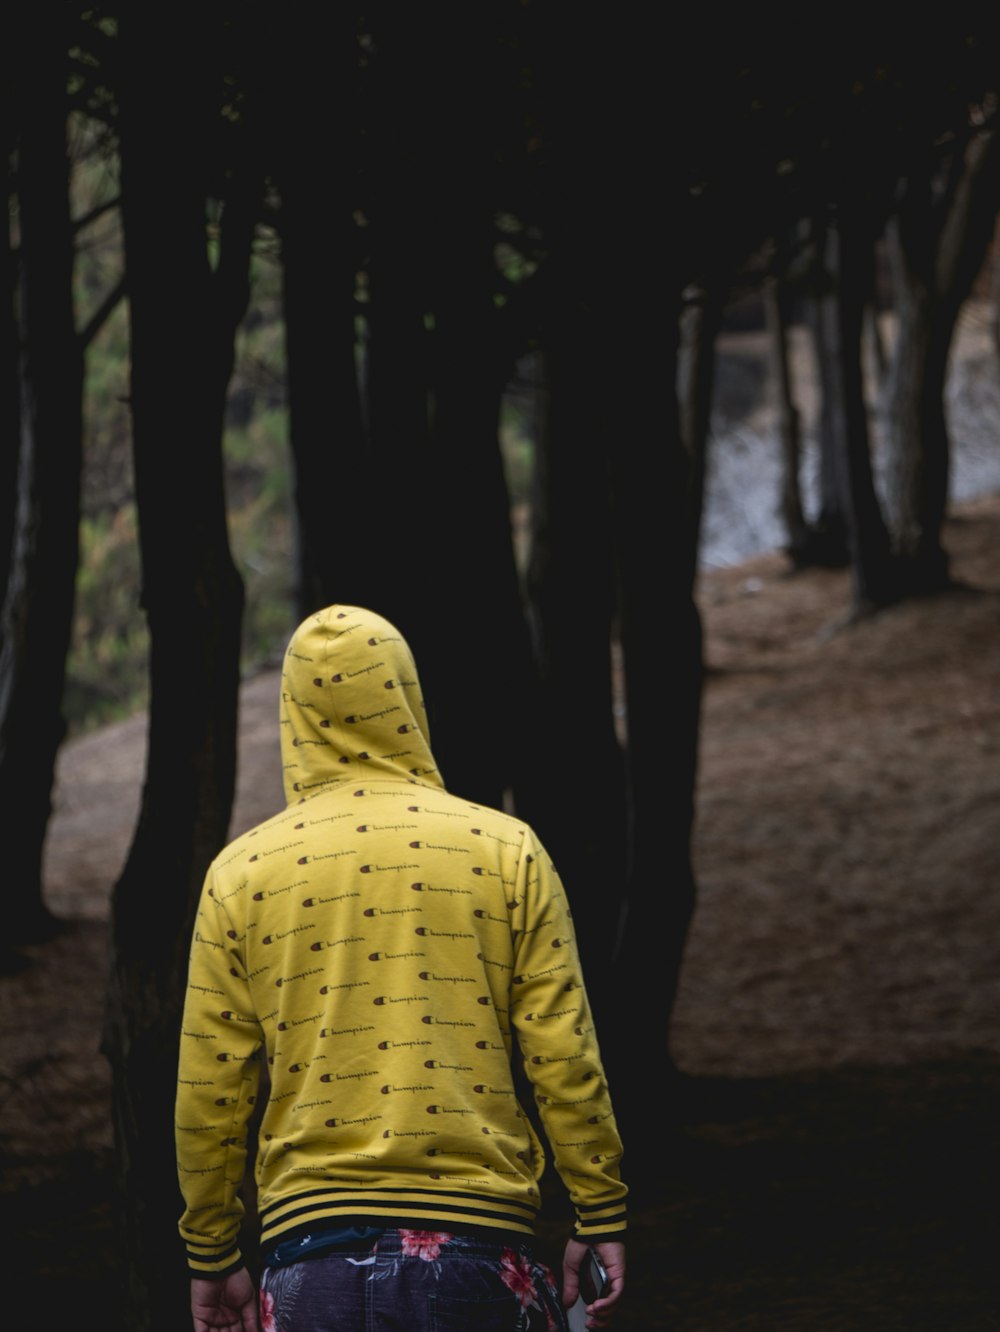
{"type": "Point", "coordinates": [381, 942]}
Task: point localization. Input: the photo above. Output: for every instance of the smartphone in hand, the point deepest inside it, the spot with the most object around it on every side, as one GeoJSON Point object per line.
{"type": "Point", "coordinates": [594, 1283]}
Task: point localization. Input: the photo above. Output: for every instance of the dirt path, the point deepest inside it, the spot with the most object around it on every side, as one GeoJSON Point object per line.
{"type": "Point", "coordinates": [831, 1156]}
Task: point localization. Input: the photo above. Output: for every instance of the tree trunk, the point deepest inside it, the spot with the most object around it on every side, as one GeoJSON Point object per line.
{"type": "Point", "coordinates": [572, 589]}
{"type": "Point", "coordinates": [321, 256]}
{"type": "Point", "coordinates": [662, 653]}
{"type": "Point", "coordinates": [918, 447]}
{"type": "Point", "coordinates": [386, 528]}
{"type": "Point", "coordinates": [789, 429]}
{"type": "Point", "coordinates": [613, 373]}
{"type": "Point", "coordinates": [10, 408]}
{"type": "Point", "coordinates": [939, 241]}
{"type": "Point", "coordinates": [38, 608]}
{"type": "Point", "coordinates": [183, 320]}
{"type": "Point", "coordinates": [700, 323]}
{"type": "Point", "coordinates": [826, 539]}
{"type": "Point", "coordinates": [438, 536]}
{"type": "Point", "coordinates": [471, 540]}
{"type": "Point", "coordinates": [840, 321]}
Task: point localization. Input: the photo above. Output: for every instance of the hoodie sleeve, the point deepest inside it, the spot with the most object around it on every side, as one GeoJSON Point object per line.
{"type": "Point", "coordinates": [218, 1079]}
{"type": "Point", "coordinates": [551, 1014]}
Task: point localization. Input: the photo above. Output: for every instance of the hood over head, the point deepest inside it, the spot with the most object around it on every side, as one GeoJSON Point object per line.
{"type": "Point", "coordinates": [351, 705]}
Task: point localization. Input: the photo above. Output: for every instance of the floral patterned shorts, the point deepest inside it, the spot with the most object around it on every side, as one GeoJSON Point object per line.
{"type": "Point", "coordinates": [414, 1281]}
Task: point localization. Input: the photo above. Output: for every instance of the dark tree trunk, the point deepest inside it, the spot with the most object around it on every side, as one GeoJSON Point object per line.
{"type": "Point", "coordinates": [313, 117]}
{"type": "Point", "coordinates": [183, 320]}
{"type": "Point", "coordinates": [471, 549]}
{"type": "Point", "coordinates": [572, 578]}
{"type": "Point", "coordinates": [471, 540]}
{"type": "Point", "coordinates": [573, 598]}
{"type": "Point", "coordinates": [846, 261]}
{"type": "Point", "coordinates": [38, 607]}
{"type": "Point", "coordinates": [700, 323]}
{"type": "Point", "coordinates": [386, 524]}
{"type": "Point", "coordinates": [10, 410]}
{"type": "Point", "coordinates": [776, 302]}
{"type": "Point", "coordinates": [434, 524]}
{"type": "Point", "coordinates": [939, 241]}
{"type": "Point", "coordinates": [662, 652]}
{"type": "Point", "coordinates": [918, 443]}
{"type": "Point", "coordinates": [826, 541]}
{"type": "Point", "coordinates": [622, 550]}
{"type": "Point", "coordinates": [324, 408]}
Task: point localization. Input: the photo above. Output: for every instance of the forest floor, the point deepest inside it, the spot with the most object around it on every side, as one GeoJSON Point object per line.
{"type": "Point", "coordinates": [830, 1155]}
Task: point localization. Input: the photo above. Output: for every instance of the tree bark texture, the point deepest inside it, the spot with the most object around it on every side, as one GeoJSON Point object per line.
{"type": "Point", "coordinates": [663, 669]}
{"type": "Point", "coordinates": [38, 607]}
{"type": "Point", "coordinates": [314, 143]}
{"type": "Point", "coordinates": [621, 553]}
{"type": "Point", "coordinates": [939, 240]}
{"type": "Point", "coordinates": [183, 319]}
{"type": "Point", "coordinates": [840, 321]}
{"type": "Point", "coordinates": [572, 585]}
{"type": "Point", "coordinates": [789, 428]}
{"type": "Point", "coordinates": [10, 408]}
{"type": "Point", "coordinates": [432, 519]}
{"type": "Point", "coordinates": [700, 322]}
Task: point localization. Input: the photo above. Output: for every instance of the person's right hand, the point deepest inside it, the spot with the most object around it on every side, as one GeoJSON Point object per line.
{"type": "Point", "coordinates": [612, 1255]}
{"type": "Point", "coordinates": [228, 1303]}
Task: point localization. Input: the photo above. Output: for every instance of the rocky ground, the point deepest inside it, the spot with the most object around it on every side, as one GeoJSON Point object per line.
{"type": "Point", "coordinates": [830, 1157]}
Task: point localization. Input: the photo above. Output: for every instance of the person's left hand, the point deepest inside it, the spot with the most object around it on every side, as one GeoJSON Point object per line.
{"type": "Point", "coordinates": [229, 1303]}
{"type": "Point", "coordinates": [612, 1255]}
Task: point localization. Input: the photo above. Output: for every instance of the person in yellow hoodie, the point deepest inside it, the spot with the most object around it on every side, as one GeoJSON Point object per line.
{"type": "Point", "coordinates": [385, 949]}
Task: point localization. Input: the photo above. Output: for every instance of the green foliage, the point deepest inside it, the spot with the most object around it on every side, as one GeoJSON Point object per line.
{"type": "Point", "coordinates": [106, 671]}
{"type": "Point", "coordinates": [107, 666]}
{"type": "Point", "coordinates": [517, 446]}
